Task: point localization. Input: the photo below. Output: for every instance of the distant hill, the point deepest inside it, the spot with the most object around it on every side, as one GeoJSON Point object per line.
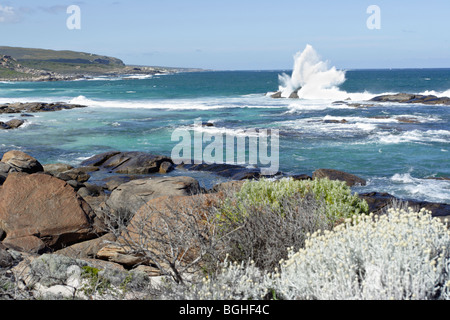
{"type": "Point", "coordinates": [27, 64]}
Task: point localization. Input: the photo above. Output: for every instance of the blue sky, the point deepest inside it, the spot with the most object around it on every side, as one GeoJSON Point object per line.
{"type": "Point", "coordinates": [237, 35]}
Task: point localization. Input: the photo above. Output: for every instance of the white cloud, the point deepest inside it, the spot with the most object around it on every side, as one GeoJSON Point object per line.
{"type": "Point", "coordinates": [7, 14]}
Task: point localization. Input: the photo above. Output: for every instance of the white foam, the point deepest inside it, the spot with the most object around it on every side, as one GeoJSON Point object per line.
{"type": "Point", "coordinates": [431, 189]}
{"type": "Point", "coordinates": [413, 136]}
{"type": "Point", "coordinates": [437, 93]}
{"type": "Point", "coordinates": [317, 79]}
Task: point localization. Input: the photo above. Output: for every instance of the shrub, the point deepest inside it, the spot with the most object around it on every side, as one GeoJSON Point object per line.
{"type": "Point", "coordinates": [400, 255]}
{"type": "Point", "coordinates": [265, 217]}
{"type": "Point", "coordinates": [340, 202]}
{"type": "Point", "coordinates": [265, 231]}
{"type": "Point", "coordinates": [233, 281]}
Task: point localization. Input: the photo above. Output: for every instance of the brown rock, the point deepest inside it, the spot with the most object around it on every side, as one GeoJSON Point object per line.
{"type": "Point", "coordinates": [22, 162]}
{"type": "Point", "coordinates": [168, 213]}
{"type": "Point", "coordinates": [54, 168]}
{"type": "Point", "coordinates": [15, 123]}
{"type": "Point", "coordinates": [87, 249]}
{"type": "Point", "coordinates": [165, 167]}
{"type": "Point", "coordinates": [45, 207]}
{"type": "Point", "coordinates": [131, 196]}
{"type": "Point", "coordinates": [117, 254]}
{"type": "Point", "coordinates": [332, 174]}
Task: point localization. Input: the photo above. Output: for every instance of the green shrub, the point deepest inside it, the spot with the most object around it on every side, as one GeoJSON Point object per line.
{"type": "Point", "coordinates": [340, 201]}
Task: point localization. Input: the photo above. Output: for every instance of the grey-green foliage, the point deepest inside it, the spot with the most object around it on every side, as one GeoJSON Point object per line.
{"type": "Point", "coordinates": [51, 269]}
{"type": "Point", "coordinates": [402, 255]}
{"type": "Point", "coordinates": [233, 281]}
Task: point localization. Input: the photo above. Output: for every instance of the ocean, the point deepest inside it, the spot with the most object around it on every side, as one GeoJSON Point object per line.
{"type": "Point", "coordinates": [140, 113]}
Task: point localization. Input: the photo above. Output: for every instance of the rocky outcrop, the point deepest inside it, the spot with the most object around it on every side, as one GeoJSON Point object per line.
{"type": "Point", "coordinates": [412, 98]}
{"type": "Point", "coordinates": [33, 107]}
{"type": "Point", "coordinates": [332, 174]}
{"type": "Point", "coordinates": [128, 162]}
{"type": "Point", "coordinates": [38, 211]}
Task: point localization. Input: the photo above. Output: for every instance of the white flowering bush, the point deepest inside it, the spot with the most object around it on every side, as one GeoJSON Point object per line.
{"type": "Point", "coordinates": [401, 255]}
{"type": "Point", "coordinates": [233, 281]}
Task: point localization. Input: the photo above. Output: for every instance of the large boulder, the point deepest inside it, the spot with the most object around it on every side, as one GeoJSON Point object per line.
{"type": "Point", "coordinates": [22, 162]}
{"type": "Point", "coordinates": [146, 231]}
{"type": "Point", "coordinates": [332, 174]}
{"type": "Point", "coordinates": [129, 197]}
{"type": "Point", "coordinates": [38, 211]}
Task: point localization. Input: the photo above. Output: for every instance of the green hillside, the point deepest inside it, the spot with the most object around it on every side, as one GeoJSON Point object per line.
{"type": "Point", "coordinates": [63, 62]}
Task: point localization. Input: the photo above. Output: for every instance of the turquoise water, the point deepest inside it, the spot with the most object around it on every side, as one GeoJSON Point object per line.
{"type": "Point", "coordinates": [141, 114]}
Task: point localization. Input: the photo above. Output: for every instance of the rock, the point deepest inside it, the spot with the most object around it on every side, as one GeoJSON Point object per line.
{"type": "Point", "coordinates": [31, 107]}
{"type": "Point", "coordinates": [31, 244]}
{"type": "Point", "coordinates": [233, 172]}
{"type": "Point", "coordinates": [117, 254]}
{"type": "Point", "coordinates": [276, 95]}
{"type": "Point", "coordinates": [227, 186]}
{"type": "Point", "coordinates": [4, 126]}
{"type": "Point", "coordinates": [54, 168]}
{"type": "Point", "coordinates": [113, 182]}
{"type": "Point", "coordinates": [335, 121]}
{"type": "Point", "coordinates": [77, 175]}
{"type": "Point", "coordinates": [15, 123]}
{"type": "Point", "coordinates": [301, 177]}
{"type": "Point", "coordinates": [43, 207]}
{"type": "Point", "coordinates": [407, 120]}
{"type": "Point", "coordinates": [87, 249]}
{"type": "Point", "coordinates": [129, 197]}
{"type": "Point", "coordinates": [127, 162]}
{"type": "Point", "coordinates": [5, 168]}
{"type": "Point", "coordinates": [6, 260]}
{"type": "Point", "coordinates": [84, 192]}
{"type": "Point", "coordinates": [22, 162]}
{"type": "Point", "coordinates": [166, 212]}
{"type": "Point", "coordinates": [379, 201]}
{"type": "Point", "coordinates": [412, 98]}
{"type": "Point", "coordinates": [332, 174]}
{"type": "Point", "coordinates": [165, 167]}
{"type": "Point", "coordinates": [294, 95]}
{"type": "Point", "coordinates": [98, 160]}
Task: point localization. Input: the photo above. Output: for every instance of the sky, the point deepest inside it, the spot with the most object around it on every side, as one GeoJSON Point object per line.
{"type": "Point", "coordinates": [237, 34]}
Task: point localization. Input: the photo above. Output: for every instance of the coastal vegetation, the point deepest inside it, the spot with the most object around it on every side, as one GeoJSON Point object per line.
{"type": "Point", "coordinates": [282, 239]}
